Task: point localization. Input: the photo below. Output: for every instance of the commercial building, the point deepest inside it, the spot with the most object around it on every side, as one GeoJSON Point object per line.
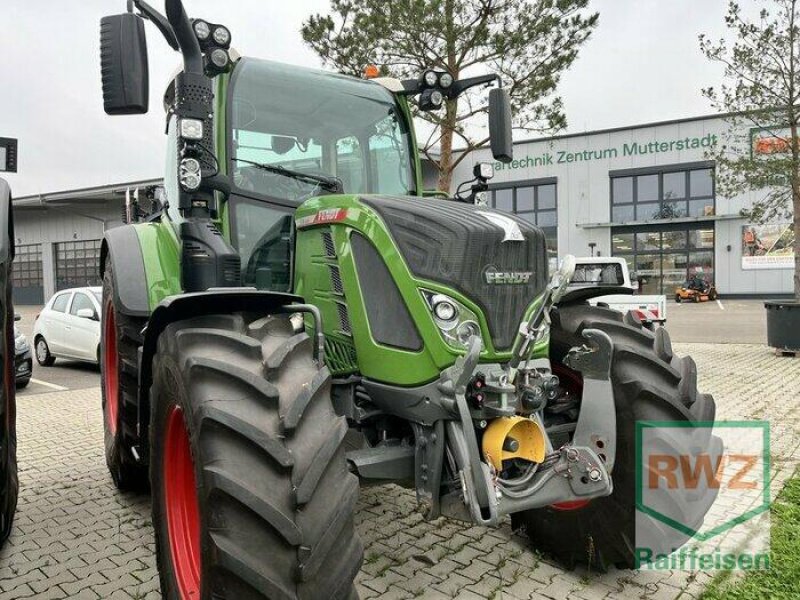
{"type": "Point", "coordinates": [647, 193]}
{"type": "Point", "coordinates": [58, 238]}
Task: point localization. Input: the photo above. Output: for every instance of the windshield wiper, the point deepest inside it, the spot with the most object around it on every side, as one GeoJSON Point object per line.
{"type": "Point", "coordinates": [327, 182]}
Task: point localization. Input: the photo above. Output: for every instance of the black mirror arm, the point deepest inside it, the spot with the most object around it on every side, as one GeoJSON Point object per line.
{"type": "Point", "coordinates": [462, 85]}
{"type": "Point", "coordinates": [412, 87]}
{"type": "Point", "coordinates": [159, 20]}
{"type": "Point", "coordinates": [184, 34]}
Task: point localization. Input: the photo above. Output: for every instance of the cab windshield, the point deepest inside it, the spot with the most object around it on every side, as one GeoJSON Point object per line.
{"type": "Point", "coordinates": [288, 121]}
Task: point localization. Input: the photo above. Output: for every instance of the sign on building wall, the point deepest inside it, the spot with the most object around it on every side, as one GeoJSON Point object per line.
{"type": "Point", "coordinates": [766, 141]}
{"type": "Point", "coordinates": [769, 246]}
{"type": "Point", "coordinates": [555, 156]}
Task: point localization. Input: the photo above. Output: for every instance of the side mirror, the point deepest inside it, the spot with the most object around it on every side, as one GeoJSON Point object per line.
{"type": "Point", "coordinates": [123, 62]}
{"type": "Point", "coordinates": [500, 125]}
{"type": "Point", "coordinates": [86, 313]}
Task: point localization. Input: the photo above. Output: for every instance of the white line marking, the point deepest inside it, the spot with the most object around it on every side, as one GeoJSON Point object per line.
{"type": "Point", "coordinates": [50, 385]}
{"type": "Point", "coordinates": [719, 303]}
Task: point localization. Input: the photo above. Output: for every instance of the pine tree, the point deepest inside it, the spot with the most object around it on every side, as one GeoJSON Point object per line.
{"type": "Point", "coordinates": [529, 43]}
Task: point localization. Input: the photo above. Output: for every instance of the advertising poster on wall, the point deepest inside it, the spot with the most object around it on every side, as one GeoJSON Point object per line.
{"type": "Point", "coordinates": [769, 246]}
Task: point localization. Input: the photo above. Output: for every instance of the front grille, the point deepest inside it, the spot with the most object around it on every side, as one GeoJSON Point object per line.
{"type": "Point", "coordinates": [344, 318]}
{"type": "Point", "coordinates": [454, 244]}
{"type": "Point", "coordinates": [340, 356]}
{"type": "Point", "coordinates": [336, 280]}
{"type": "Point", "coordinates": [327, 244]}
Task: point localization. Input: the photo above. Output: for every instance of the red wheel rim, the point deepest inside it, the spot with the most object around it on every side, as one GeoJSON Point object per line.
{"type": "Point", "coordinates": [573, 383]}
{"type": "Point", "coordinates": [110, 374]}
{"type": "Point", "coordinates": [181, 506]}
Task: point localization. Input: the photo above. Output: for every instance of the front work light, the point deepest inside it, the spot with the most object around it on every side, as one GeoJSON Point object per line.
{"type": "Point", "coordinates": [191, 129]}
{"type": "Point", "coordinates": [445, 80]}
{"type": "Point", "coordinates": [189, 174]}
{"type": "Point", "coordinates": [430, 78]}
{"type": "Point", "coordinates": [220, 58]}
{"type": "Point", "coordinates": [202, 30]}
{"type": "Point", "coordinates": [483, 170]}
{"type": "Point", "coordinates": [222, 36]}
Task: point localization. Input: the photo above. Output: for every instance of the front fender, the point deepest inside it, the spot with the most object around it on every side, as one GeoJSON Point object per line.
{"type": "Point", "coordinates": [188, 306]}
{"type": "Point", "coordinates": [122, 248]}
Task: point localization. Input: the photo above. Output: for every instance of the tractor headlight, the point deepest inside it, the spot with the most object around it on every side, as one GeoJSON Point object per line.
{"type": "Point", "coordinates": [456, 323]}
{"type": "Point", "coordinates": [445, 80]}
{"type": "Point", "coordinates": [190, 175]}
{"type": "Point", "coordinates": [444, 309]}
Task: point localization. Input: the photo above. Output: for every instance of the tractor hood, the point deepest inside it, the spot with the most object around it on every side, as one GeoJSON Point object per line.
{"type": "Point", "coordinates": [496, 259]}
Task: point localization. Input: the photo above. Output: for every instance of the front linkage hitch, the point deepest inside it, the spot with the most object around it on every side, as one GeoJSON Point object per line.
{"type": "Point", "coordinates": [579, 470]}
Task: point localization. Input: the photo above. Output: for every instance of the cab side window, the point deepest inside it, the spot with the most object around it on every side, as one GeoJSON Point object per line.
{"type": "Point", "coordinates": [60, 303]}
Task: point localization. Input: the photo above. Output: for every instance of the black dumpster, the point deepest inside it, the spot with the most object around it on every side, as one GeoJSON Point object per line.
{"type": "Point", "coordinates": [783, 325]}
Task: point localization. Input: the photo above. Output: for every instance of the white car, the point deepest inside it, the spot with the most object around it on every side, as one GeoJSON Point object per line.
{"type": "Point", "coordinates": [612, 272]}
{"type": "Point", "coordinates": [69, 327]}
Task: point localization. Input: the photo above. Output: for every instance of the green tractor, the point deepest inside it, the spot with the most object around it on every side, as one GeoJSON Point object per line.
{"type": "Point", "coordinates": [294, 316]}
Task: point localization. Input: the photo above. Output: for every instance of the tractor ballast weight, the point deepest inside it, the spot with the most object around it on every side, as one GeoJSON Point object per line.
{"type": "Point", "coordinates": [297, 314]}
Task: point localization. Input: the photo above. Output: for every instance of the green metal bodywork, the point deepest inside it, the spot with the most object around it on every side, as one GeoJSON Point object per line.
{"type": "Point", "coordinates": [346, 352]}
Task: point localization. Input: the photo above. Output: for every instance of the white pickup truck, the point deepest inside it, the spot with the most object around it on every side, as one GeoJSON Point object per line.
{"type": "Point", "coordinates": [608, 271]}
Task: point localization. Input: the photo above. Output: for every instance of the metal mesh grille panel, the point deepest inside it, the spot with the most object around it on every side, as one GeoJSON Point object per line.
{"type": "Point", "coordinates": [344, 318]}
{"type": "Point", "coordinates": [336, 280]}
{"type": "Point", "coordinates": [327, 243]}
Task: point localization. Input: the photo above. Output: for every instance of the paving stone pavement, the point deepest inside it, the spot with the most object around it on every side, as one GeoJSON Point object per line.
{"type": "Point", "coordinates": [77, 537]}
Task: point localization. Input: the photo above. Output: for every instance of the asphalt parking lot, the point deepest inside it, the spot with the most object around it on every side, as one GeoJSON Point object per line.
{"type": "Point", "coordinates": [77, 537]}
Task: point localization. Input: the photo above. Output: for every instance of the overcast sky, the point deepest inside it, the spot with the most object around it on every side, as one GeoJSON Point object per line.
{"type": "Point", "coordinates": [642, 65]}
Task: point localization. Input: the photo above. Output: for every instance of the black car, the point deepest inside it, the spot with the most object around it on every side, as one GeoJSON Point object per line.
{"type": "Point", "coordinates": [23, 358]}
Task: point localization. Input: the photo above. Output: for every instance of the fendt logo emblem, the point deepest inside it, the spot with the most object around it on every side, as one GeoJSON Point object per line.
{"type": "Point", "coordinates": [509, 226]}
{"type": "Point", "coordinates": [495, 277]}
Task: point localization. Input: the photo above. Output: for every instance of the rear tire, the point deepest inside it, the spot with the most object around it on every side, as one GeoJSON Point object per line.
{"type": "Point", "coordinates": [259, 462]}
{"type": "Point", "coordinates": [42, 351]}
{"type": "Point", "coordinates": [650, 384]}
{"type": "Point", "coordinates": [120, 339]}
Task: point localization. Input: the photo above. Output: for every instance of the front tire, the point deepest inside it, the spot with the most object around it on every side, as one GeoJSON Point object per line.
{"type": "Point", "coordinates": [252, 498]}
{"type": "Point", "coordinates": [650, 384]}
{"type": "Point", "coordinates": [23, 383]}
{"type": "Point", "coordinates": [120, 339]}
{"type": "Point", "coordinates": [42, 351]}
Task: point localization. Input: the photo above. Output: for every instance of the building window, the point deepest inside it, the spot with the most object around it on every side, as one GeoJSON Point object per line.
{"type": "Point", "coordinates": [536, 202]}
{"type": "Point", "coordinates": [671, 194]}
{"type": "Point", "coordinates": [78, 264]}
{"type": "Point", "coordinates": [662, 257]}
{"type": "Point", "coordinates": [27, 277]}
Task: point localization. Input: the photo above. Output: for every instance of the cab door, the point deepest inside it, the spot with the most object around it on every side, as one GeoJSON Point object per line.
{"type": "Point", "coordinates": [82, 328]}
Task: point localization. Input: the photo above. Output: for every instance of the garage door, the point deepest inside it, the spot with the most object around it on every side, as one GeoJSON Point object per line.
{"type": "Point", "coordinates": [77, 264]}
{"type": "Point", "coordinates": [27, 275]}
